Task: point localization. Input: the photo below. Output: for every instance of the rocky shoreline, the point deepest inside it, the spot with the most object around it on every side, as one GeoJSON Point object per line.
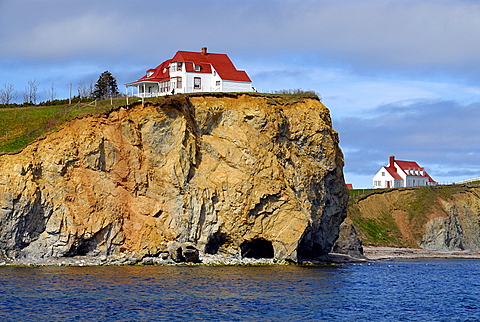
{"type": "Point", "coordinates": [124, 259]}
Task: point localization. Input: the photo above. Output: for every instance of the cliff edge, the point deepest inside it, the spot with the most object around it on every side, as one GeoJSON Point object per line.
{"type": "Point", "coordinates": [238, 175]}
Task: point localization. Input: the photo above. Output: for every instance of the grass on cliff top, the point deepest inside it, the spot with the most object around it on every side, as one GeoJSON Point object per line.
{"type": "Point", "coordinates": [22, 125]}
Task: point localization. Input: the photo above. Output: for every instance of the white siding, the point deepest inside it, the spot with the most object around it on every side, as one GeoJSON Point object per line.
{"type": "Point", "coordinates": [232, 86]}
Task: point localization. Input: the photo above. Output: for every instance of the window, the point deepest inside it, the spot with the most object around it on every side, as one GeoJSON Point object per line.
{"type": "Point", "coordinates": [383, 174]}
{"type": "Point", "coordinates": [149, 73]}
{"type": "Point", "coordinates": [179, 82]}
{"type": "Point", "coordinates": [197, 83]}
{"type": "Point", "coordinates": [197, 68]}
{"type": "Point", "coordinates": [217, 83]}
{"type": "Point", "coordinates": [172, 67]}
{"type": "Point", "coordinates": [179, 66]}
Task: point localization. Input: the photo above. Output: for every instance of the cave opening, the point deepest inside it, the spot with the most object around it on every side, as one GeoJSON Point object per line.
{"type": "Point", "coordinates": [257, 248]}
{"type": "Point", "coordinates": [214, 242]}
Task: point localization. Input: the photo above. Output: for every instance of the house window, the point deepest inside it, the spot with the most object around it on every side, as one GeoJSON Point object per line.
{"type": "Point", "coordinates": [217, 83]}
{"type": "Point", "coordinates": [197, 82]}
{"type": "Point", "coordinates": [179, 82]}
{"type": "Point", "coordinates": [172, 67]}
{"type": "Point", "coordinates": [197, 68]}
{"type": "Point", "coordinates": [179, 66]}
{"type": "Point", "coordinates": [214, 73]}
{"type": "Point", "coordinates": [150, 73]}
{"type": "Point", "coordinates": [383, 174]}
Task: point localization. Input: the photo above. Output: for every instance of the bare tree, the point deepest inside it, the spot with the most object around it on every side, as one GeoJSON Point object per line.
{"type": "Point", "coordinates": [30, 94]}
{"type": "Point", "coordinates": [82, 90]}
{"type": "Point", "coordinates": [51, 93]}
{"type": "Point", "coordinates": [7, 93]}
{"type": "Point", "coordinates": [85, 90]}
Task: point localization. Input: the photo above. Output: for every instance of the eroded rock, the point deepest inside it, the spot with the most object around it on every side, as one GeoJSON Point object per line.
{"type": "Point", "coordinates": [218, 173]}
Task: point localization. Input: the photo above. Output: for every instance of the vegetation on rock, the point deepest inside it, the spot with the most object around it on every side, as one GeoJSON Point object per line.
{"type": "Point", "coordinates": [402, 217]}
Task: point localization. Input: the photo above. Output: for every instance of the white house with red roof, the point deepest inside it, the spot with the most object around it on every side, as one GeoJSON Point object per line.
{"type": "Point", "coordinates": [402, 174]}
{"type": "Point", "coordinates": [190, 72]}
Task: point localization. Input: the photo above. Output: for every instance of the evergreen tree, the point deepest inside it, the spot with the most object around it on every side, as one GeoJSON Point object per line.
{"type": "Point", "coordinates": [106, 86]}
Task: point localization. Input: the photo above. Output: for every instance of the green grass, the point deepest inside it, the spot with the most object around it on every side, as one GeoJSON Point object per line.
{"type": "Point", "coordinates": [381, 231]}
{"type": "Point", "coordinates": [21, 126]}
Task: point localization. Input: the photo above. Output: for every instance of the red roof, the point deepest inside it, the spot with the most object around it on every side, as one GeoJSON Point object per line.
{"type": "Point", "coordinates": [220, 62]}
{"type": "Point", "coordinates": [393, 172]}
{"type": "Point", "coordinates": [406, 165]}
{"type": "Point", "coordinates": [159, 74]}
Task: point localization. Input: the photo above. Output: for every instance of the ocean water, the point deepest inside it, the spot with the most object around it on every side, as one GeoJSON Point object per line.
{"type": "Point", "coordinates": [399, 290]}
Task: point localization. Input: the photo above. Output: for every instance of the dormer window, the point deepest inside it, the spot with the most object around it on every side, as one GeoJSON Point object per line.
{"type": "Point", "coordinates": [149, 73]}
{"type": "Point", "coordinates": [179, 66]}
{"type": "Point", "coordinates": [197, 68]}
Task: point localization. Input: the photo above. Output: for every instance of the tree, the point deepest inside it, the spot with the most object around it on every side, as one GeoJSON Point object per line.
{"type": "Point", "coordinates": [51, 93]}
{"type": "Point", "coordinates": [106, 86]}
{"type": "Point", "coordinates": [30, 94]}
{"type": "Point", "coordinates": [85, 90]}
{"type": "Point", "coordinates": [7, 93]}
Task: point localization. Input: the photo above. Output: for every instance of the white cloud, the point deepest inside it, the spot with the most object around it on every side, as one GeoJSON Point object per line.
{"type": "Point", "coordinates": [393, 34]}
{"type": "Point", "coordinates": [72, 36]}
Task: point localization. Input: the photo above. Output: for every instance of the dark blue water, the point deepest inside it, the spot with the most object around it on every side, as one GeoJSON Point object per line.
{"type": "Point", "coordinates": [408, 290]}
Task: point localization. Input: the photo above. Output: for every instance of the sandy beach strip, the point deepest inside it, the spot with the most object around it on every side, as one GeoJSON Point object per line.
{"type": "Point", "coordinates": [383, 253]}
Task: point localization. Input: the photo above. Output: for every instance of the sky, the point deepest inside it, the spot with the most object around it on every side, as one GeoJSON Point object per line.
{"type": "Point", "coordinates": [400, 78]}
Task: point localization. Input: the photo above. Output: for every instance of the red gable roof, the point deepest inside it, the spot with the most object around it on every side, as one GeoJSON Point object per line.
{"type": "Point", "coordinates": [220, 62]}
{"type": "Point", "coordinates": [160, 74]}
{"type": "Point", "coordinates": [411, 165]}
{"type": "Point", "coordinates": [393, 172]}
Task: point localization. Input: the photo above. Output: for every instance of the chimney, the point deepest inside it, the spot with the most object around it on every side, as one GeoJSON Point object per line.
{"type": "Point", "coordinates": [392, 160]}
{"type": "Point", "coordinates": [204, 50]}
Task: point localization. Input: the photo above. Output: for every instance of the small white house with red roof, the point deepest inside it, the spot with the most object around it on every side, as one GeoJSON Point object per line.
{"type": "Point", "coordinates": [190, 72]}
{"type": "Point", "coordinates": [402, 174]}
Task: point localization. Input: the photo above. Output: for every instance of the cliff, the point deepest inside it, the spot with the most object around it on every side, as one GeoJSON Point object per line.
{"type": "Point", "coordinates": [443, 218]}
{"type": "Point", "coordinates": [237, 175]}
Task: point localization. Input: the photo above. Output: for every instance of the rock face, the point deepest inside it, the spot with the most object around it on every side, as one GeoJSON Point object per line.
{"type": "Point", "coordinates": [218, 175]}
{"type": "Point", "coordinates": [348, 242]}
{"type": "Point", "coordinates": [460, 229]}
{"type": "Point", "coordinates": [443, 218]}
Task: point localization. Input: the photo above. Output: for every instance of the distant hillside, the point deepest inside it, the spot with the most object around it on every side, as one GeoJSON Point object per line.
{"type": "Point", "coordinates": [437, 218]}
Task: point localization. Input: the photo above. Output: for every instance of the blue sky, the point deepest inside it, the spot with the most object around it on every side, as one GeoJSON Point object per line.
{"type": "Point", "coordinates": [399, 77]}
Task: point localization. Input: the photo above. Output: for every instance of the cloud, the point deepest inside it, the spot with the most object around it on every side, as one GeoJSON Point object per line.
{"type": "Point", "coordinates": [389, 34]}
{"type": "Point", "coordinates": [440, 135]}
{"type": "Point", "coordinates": [71, 36]}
